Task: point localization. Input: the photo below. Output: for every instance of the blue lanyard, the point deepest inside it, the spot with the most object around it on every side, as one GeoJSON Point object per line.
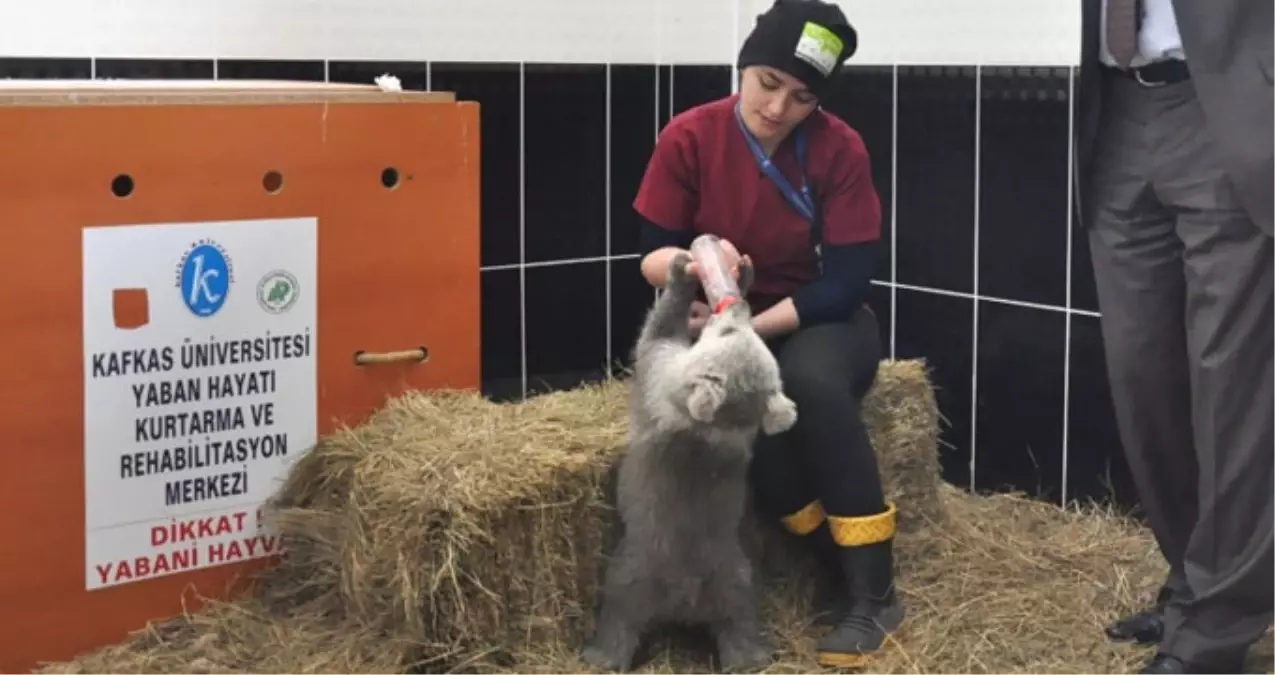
{"type": "Point", "coordinates": [802, 201]}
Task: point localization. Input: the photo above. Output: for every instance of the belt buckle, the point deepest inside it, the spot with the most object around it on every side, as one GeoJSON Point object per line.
{"type": "Point", "coordinates": [1137, 75]}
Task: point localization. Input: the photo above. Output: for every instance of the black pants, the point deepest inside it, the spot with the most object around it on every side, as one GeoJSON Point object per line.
{"type": "Point", "coordinates": [827, 456]}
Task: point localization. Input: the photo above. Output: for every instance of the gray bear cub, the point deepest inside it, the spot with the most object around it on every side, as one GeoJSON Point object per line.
{"type": "Point", "coordinates": [695, 408]}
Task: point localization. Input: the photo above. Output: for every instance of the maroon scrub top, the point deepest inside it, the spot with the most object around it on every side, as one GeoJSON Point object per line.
{"type": "Point", "coordinates": [703, 177]}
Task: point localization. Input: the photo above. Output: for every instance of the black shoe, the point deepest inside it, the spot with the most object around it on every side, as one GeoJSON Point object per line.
{"type": "Point", "coordinates": [1164, 663]}
{"type": "Point", "coordinates": [871, 611]}
{"type": "Point", "coordinates": [1145, 627]}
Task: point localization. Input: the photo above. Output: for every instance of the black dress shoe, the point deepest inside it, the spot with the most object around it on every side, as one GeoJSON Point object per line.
{"type": "Point", "coordinates": [1163, 663]}
{"type": "Point", "coordinates": [1145, 628]}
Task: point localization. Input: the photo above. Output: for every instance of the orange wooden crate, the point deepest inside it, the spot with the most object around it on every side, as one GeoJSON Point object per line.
{"type": "Point", "coordinates": [397, 268]}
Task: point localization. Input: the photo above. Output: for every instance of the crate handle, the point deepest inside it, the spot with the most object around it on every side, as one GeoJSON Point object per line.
{"type": "Point", "coordinates": [364, 358]}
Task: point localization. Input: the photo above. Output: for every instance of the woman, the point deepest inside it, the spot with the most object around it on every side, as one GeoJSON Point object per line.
{"type": "Point", "coordinates": [789, 187]}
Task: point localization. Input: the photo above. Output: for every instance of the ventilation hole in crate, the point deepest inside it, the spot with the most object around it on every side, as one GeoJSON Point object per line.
{"type": "Point", "coordinates": [389, 178]}
{"type": "Point", "coordinates": [272, 182]}
{"type": "Point", "coordinates": [122, 185]}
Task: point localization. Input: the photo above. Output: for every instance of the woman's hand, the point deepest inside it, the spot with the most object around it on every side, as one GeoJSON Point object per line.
{"type": "Point", "coordinates": [732, 257]}
{"type": "Point", "coordinates": [730, 252]}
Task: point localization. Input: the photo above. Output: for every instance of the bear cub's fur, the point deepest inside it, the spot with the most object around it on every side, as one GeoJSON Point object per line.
{"type": "Point", "coordinates": [695, 409]}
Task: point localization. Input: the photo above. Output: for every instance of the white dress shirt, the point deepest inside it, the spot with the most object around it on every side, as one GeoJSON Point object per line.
{"type": "Point", "coordinates": [1158, 38]}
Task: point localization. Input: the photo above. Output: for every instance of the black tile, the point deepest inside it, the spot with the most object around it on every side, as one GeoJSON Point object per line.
{"type": "Point", "coordinates": [881, 303]}
{"type": "Point", "coordinates": [940, 329]}
{"type": "Point", "coordinates": [935, 190]}
{"type": "Point", "coordinates": [1096, 467]}
{"type": "Point", "coordinates": [1018, 442]}
{"type": "Point", "coordinates": [1084, 290]}
{"type": "Point", "coordinates": [501, 325]}
{"type": "Point", "coordinates": [45, 69]}
{"type": "Point", "coordinates": [551, 382]}
{"type": "Point", "coordinates": [565, 133]}
{"type": "Point", "coordinates": [631, 297]}
{"type": "Point", "coordinates": [633, 129]}
{"type": "Point", "coordinates": [413, 75]}
{"type": "Point", "coordinates": [864, 98]}
{"type": "Point", "coordinates": [696, 84]}
{"type": "Point", "coordinates": [496, 87]}
{"type": "Point", "coordinates": [1023, 185]}
{"type": "Point", "coordinates": [566, 323]}
{"type": "Point", "coordinates": [156, 69]}
{"type": "Point", "coordinates": [258, 69]}
{"type": "Point", "coordinates": [503, 389]}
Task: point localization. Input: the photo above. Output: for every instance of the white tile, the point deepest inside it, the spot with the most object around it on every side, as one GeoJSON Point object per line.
{"type": "Point", "coordinates": [962, 32]}
{"type": "Point", "coordinates": [562, 31]}
{"type": "Point", "coordinates": [48, 28]}
{"type": "Point", "coordinates": [379, 30]}
{"type": "Point", "coordinates": [278, 29]}
{"type": "Point", "coordinates": [989, 32]}
{"type": "Point", "coordinates": [633, 30]}
{"type": "Point", "coordinates": [697, 31]}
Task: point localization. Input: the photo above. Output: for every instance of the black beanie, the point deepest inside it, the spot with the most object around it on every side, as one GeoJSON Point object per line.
{"type": "Point", "coordinates": [808, 39]}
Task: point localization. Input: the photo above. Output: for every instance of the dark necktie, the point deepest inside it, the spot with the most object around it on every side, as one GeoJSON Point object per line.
{"type": "Point", "coordinates": [1122, 30]}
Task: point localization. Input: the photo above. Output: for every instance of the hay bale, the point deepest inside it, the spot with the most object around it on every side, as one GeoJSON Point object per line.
{"type": "Point", "coordinates": [902, 416]}
{"type": "Point", "coordinates": [454, 526]}
{"type": "Point", "coordinates": [449, 529]}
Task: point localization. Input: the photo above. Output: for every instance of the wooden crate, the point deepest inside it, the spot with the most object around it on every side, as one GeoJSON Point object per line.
{"type": "Point", "coordinates": [346, 220]}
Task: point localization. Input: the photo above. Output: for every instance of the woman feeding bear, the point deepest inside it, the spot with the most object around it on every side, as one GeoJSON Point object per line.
{"type": "Point", "coordinates": [789, 185]}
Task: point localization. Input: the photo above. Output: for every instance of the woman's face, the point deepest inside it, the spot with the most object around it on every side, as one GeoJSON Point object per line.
{"type": "Point", "coordinates": [773, 102]}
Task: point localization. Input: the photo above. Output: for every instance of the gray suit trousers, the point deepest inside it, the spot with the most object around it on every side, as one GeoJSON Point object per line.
{"type": "Point", "coordinates": [1184, 280]}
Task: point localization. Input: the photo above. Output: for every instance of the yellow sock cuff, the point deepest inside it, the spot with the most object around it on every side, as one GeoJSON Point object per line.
{"type": "Point", "coordinates": [806, 520]}
{"type": "Point", "coordinates": [863, 530]}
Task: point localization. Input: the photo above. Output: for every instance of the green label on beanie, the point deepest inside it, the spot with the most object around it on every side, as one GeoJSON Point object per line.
{"type": "Point", "coordinates": [819, 47]}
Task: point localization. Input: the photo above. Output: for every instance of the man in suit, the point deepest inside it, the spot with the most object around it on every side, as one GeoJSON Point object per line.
{"type": "Point", "coordinates": [1175, 192]}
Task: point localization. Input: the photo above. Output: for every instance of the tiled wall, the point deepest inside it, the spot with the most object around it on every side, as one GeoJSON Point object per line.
{"type": "Point", "coordinates": [982, 275]}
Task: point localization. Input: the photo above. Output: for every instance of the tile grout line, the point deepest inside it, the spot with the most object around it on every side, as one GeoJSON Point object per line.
{"type": "Point", "coordinates": [987, 298]}
{"type": "Point", "coordinates": [607, 202]}
{"type": "Point", "coordinates": [655, 108]}
{"type": "Point", "coordinates": [876, 282]}
{"type": "Point", "coordinates": [522, 219]}
{"type": "Point", "coordinates": [671, 107]}
{"type": "Point", "coordinates": [894, 212]}
{"type": "Point", "coordinates": [978, 152]}
{"type": "Point", "coordinates": [1071, 163]}
{"type": "Point", "coordinates": [734, 45]}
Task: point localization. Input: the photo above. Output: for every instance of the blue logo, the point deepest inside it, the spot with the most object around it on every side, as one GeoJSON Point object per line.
{"type": "Point", "coordinates": [204, 277]}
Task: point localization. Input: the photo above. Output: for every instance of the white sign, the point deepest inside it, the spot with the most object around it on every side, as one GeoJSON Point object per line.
{"type": "Point", "coordinates": [199, 389]}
